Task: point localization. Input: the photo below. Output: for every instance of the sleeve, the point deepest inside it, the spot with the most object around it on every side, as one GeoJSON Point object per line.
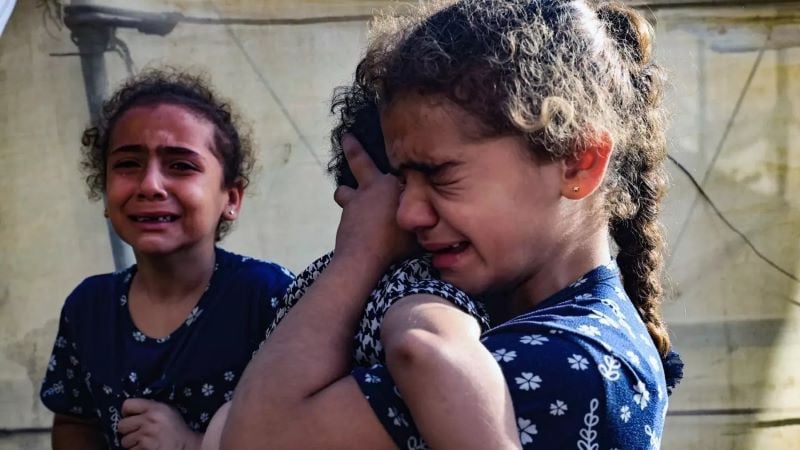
{"type": "Point", "coordinates": [280, 281]}
{"type": "Point", "coordinates": [408, 278]}
{"type": "Point", "coordinates": [555, 389]}
{"type": "Point", "coordinates": [383, 396]}
{"type": "Point", "coordinates": [414, 276]}
{"type": "Point", "coordinates": [294, 291]}
{"type": "Point", "coordinates": [447, 292]}
{"type": "Point", "coordinates": [64, 389]}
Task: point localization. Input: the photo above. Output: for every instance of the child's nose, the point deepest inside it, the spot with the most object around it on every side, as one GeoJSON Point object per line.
{"type": "Point", "coordinates": [151, 185]}
{"type": "Point", "coordinates": [414, 211]}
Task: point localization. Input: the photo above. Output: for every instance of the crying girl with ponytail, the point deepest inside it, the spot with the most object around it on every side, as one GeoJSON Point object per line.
{"type": "Point", "coordinates": [527, 146]}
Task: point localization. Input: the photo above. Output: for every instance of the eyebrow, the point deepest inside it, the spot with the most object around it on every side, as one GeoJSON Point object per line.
{"type": "Point", "coordinates": [170, 150]}
{"type": "Point", "coordinates": [425, 168]}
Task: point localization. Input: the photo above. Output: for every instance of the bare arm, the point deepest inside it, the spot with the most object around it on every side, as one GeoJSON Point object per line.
{"type": "Point", "coordinates": [213, 437]}
{"type": "Point", "coordinates": [72, 433]}
{"type": "Point", "coordinates": [450, 382]}
{"type": "Point", "coordinates": [297, 392]}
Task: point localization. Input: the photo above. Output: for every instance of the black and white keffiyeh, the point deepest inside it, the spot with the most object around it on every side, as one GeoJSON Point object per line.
{"type": "Point", "coordinates": [412, 276]}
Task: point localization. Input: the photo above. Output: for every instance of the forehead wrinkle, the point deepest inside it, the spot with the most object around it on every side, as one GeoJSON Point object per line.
{"type": "Point", "coordinates": [427, 134]}
{"type": "Point", "coordinates": [412, 157]}
{"type": "Point", "coordinates": [404, 139]}
{"type": "Point", "coordinates": [426, 168]}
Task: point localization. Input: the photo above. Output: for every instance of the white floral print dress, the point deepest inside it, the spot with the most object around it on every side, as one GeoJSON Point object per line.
{"type": "Point", "coordinates": [581, 368]}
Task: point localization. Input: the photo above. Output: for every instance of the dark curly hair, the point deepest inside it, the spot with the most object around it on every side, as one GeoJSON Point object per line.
{"type": "Point", "coordinates": [554, 72]}
{"type": "Point", "coordinates": [358, 114]}
{"type": "Point", "coordinates": [232, 144]}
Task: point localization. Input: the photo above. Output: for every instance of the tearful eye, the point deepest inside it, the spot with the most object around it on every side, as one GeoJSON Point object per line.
{"type": "Point", "coordinates": [182, 166]}
{"type": "Point", "coordinates": [442, 183]}
{"type": "Point", "coordinates": [125, 164]}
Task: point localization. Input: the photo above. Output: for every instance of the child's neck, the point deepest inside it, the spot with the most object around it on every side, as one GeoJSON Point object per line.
{"type": "Point", "coordinates": [171, 278]}
{"type": "Point", "coordinates": [565, 266]}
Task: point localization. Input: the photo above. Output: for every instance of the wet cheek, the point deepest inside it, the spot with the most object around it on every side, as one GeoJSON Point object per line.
{"type": "Point", "coordinates": [117, 190]}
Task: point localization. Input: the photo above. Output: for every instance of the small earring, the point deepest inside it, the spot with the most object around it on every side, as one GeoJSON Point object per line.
{"type": "Point", "coordinates": [576, 189]}
{"type": "Point", "coordinates": [232, 214]}
{"type": "Point", "coordinates": [105, 213]}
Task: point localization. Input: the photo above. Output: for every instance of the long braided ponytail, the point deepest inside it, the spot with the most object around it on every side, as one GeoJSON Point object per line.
{"type": "Point", "coordinates": [639, 176]}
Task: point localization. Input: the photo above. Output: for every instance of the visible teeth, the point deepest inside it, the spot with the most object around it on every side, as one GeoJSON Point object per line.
{"type": "Point", "coordinates": [154, 219]}
{"type": "Point", "coordinates": [453, 247]}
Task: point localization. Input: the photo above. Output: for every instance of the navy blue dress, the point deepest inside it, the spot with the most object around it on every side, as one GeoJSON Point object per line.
{"type": "Point", "coordinates": [100, 358]}
{"type": "Point", "coordinates": [581, 369]}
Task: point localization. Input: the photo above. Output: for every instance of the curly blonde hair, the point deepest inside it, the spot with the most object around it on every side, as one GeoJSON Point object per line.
{"type": "Point", "coordinates": [554, 72]}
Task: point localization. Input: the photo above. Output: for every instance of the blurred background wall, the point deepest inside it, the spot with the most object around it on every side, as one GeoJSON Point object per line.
{"type": "Point", "coordinates": [735, 68]}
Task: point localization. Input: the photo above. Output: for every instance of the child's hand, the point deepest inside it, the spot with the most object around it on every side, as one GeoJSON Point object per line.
{"type": "Point", "coordinates": [150, 425]}
{"type": "Point", "coordinates": [368, 229]}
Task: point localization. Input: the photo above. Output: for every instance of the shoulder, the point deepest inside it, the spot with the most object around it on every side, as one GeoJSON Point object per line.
{"type": "Point", "coordinates": [253, 271]}
{"type": "Point", "coordinates": [589, 331]}
{"type": "Point", "coordinates": [297, 289]}
{"type": "Point", "coordinates": [540, 348]}
{"type": "Point", "coordinates": [595, 315]}
{"type": "Point", "coordinates": [96, 301]}
{"type": "Point", "coordinates": [412, 269]}
{"type": "Point", "coordinates": [94, 291]}
{"type": "Point", "coordinates": [95, 283]}
{"type": "Point", "coordinates": [579, 356]}
{"type": "Point", "coordinates": [415, 276]}
{"type": "Point", "coordinates": [313, 270]}
{"type": "Point", "coordinates": [307, 277]}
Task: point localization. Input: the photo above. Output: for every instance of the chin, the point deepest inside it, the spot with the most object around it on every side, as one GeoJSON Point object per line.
{"type": "Point", "coordinates": [153, 247]}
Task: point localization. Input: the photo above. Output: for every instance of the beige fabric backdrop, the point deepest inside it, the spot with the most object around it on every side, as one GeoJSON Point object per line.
{"type": "Point", "coordinates": [734, 317]}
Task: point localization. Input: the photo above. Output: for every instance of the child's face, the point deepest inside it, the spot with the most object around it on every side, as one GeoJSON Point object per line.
{"type": "Point", "coordinates": [485, 209]}
{"type": "Point", "coordinates": [164, 184]}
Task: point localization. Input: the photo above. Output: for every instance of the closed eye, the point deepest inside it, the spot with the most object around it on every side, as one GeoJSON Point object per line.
{"type": "Point", "coordinates": [446, 185]}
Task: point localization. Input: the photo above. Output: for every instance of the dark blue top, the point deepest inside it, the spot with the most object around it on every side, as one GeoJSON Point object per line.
{"type": "Point", "coordinates": [100, 358]}
{"type": "Point", "coordinates": [581, 369]}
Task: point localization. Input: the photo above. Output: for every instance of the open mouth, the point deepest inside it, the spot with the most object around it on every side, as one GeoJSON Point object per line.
{"type": "Point", "coordinates": [452, 249]}
{"type": "Point", "coordinates": [448, 256]}
{"type": "Point", "coordinates": [154, 219]}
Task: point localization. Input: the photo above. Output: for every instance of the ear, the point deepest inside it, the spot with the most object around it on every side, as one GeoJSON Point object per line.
{"type": "Point", "coordinates": [235, 196]}
{"type": "Point", "coordinates": [584, 172]}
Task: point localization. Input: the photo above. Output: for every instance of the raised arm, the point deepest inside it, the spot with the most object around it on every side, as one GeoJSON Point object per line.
{"type": "Point", "coordinates": [297, 392]}
{"type": "Point", "coordinates": [452, 385]}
